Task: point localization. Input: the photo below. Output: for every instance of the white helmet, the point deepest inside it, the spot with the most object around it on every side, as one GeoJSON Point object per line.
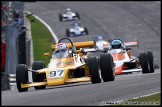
{"type": "Point", "coordinates": [68, 9]}
{"type": "Point", "coordinates": [61, 46]}
{"type": "Point", "coordinates": [61, 51]}
{"type": "Point", "coordinates": [76, 24]}
{"type": "Point", "coordinates": [100, 38]}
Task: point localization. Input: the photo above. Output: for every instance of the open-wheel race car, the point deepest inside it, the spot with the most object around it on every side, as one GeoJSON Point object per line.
{"type": "Point", "coordinates": [125, 62]}
{"type": "Point", "coordinates": [67, 65]}
{"type": "Point", "coordinates": [76, 30]}
{"type": "Point", "coordinates": [100, 43]}
{"type": "Point", "coordinates": [69, 15]}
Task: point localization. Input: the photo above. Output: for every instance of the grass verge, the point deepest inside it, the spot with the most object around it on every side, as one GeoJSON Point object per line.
{"type": "Point", "coordinates": [152, 100]}
{"type": "Point", "coordinates": [42, 40]}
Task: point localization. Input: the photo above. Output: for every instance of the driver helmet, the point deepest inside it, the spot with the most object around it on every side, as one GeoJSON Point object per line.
{"type": "Point", "coordinates": [68, 9]}
{"type": "Point", "coordinates": [62, 47]}
{"type": "Point", "coordinates": [61, 51]}
{"type": "Point", "coordinates": [100, 38]}
{"type": "Point", "coordinates": [116, 44]}
{"type": "Point", "coordinates": [76, 24]}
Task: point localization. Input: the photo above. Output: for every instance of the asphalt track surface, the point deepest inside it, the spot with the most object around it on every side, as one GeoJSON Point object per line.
{"type": "Point", "coordinates": [124, 87]}
{"type": "Point", "coordinates": [125, 20]}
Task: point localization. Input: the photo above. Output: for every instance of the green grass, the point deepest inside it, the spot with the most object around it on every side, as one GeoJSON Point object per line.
{"type": "Point", "coordinates": [152, 100]}
{"type": "Point", "coordinates": [42, 40]}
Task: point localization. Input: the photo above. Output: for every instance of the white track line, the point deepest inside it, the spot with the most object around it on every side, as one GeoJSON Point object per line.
{"type": "Point", "coordinates": [138, 97]}
{"type": "Point", "coordinates": [146, 95]}
{"type": "Point", "coordinates": [48, 27]}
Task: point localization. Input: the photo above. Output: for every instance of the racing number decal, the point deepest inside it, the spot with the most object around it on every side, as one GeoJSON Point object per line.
{"type": "Point", "coordinates": [60, 72]}
{"type": "Point", "coordinates": [56, 74]}
{"type": "Point", "coordinates": [52, 73]}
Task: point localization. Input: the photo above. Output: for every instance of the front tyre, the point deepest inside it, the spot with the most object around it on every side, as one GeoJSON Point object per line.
{"type": "Point", "coordinates": [21, 77]}
{"type": "Point", "coordinates": [107, 67]}
{"type": "Point", "coordinates": [60, 17]}
{"type": "Point", "coordinates": [86, 30]}
{"type": "Point", "coordinates": [144, 62]}
{"type": "Point", "coordinates": [77, 15]}
{"type": "Point", "coordinates": [150, 61]}
{"type": "Point", "coordinates": [67, 32]}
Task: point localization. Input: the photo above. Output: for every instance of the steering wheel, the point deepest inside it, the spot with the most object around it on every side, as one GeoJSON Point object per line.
{"type": "Point", "coordinates": [73, 47]}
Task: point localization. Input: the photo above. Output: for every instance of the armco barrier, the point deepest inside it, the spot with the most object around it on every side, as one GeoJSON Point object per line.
{"type": "Point", "coordinates": [12, 81]}
{"type": "Point", "coordinates": [15, 37]}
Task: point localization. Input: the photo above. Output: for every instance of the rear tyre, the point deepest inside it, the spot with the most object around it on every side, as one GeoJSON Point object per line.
{"type": "Point", "coordinates": [107, 67]}
{"type": "Point", "coordinates": [77, 15]}
{"type": "Point", "coordinates": [150, 61]}
{"type": "Point", "coordinates": [38, 77]}
{"type": "Point", "coordinates": [144, 62]}
{"type": "Point", "coordinates": [86, 30]}
{"type": "Point", "coordinates": [60, 17]}
{"type": "Point", "coordinates": [67, 32]}
{"type": "Point", "coordinates": [86, 60]}
{"type": "Point", "coordinates": [21, 77]}
{"type": "Point", "coordinates": [94, 70]}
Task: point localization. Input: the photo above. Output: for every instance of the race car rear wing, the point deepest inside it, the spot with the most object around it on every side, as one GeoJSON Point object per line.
{"type": "Point", "coordinates": [96, 37]}
{"type": "Point", "coordinates": [88, 44]}
{"type": "Point", "coordinates": [131, 44]}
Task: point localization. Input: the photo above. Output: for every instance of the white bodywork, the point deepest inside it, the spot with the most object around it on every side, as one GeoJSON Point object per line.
{"type": "Point", "coordinates": [77, 30]}
{"type": "Point", "coordinates": [69, 15]}
{"type": "Point", "coordinates": [102, 45]}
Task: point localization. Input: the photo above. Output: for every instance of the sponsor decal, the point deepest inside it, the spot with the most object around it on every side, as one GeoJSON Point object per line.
{"type": "Point", "coordinates": [68, 62]}
{"type": "Point", "coordinates": [58, 63]}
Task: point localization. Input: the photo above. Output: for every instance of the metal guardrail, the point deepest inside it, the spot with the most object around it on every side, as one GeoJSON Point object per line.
{"type": "Point", "coordinates": [11, 51]}
{"type": "Point", "coordinates": [14, 35]}
{"type": "Point", "coordinates": [12, 81]}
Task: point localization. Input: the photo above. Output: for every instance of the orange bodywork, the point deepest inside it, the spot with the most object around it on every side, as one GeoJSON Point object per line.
{"type": "Point", "coordinates": [118, 70]}
{"type": "Point", "coordinates": [119, 57]}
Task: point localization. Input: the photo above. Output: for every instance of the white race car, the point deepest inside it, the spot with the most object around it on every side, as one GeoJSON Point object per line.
{"type": "Point", "coordinates": [101, 44]}
{"type": "Point", "coordinates": [76, 30]}
{"type": "Point", "coordinates": [69, 15]}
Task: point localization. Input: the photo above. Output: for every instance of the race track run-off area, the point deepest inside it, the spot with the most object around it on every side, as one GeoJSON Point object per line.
{"type": "Point", "coordinates": [128, 21]}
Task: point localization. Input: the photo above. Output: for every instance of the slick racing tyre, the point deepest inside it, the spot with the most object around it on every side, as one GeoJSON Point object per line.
{"type": "Point", "coordinates": [86, 60]}
{"type": "Point", "coordinates": [150, 61]}
{"type": "Point", "coordinates": [21, 77]}
{"type": "Point", "coordinates": [77, 15]}
{"type": "Point", "coordinates": [86, 30]}
{"type": "Point", "coordinates": [60, 17]}
{"type": "Point", "coordinates": [67, 32]}
{"type": "Point", "coordinates": [94, 70]}
{"type": "Point", "coordinates": [107, 67]}
{"type": "Point", "coordinates": [38, 77]}
{"type": "Point", "coordinates": [143, 58]}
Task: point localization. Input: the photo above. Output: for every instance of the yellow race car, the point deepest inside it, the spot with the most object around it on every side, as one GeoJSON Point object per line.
{"type": "Point", "coordinates": [67, 65]}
